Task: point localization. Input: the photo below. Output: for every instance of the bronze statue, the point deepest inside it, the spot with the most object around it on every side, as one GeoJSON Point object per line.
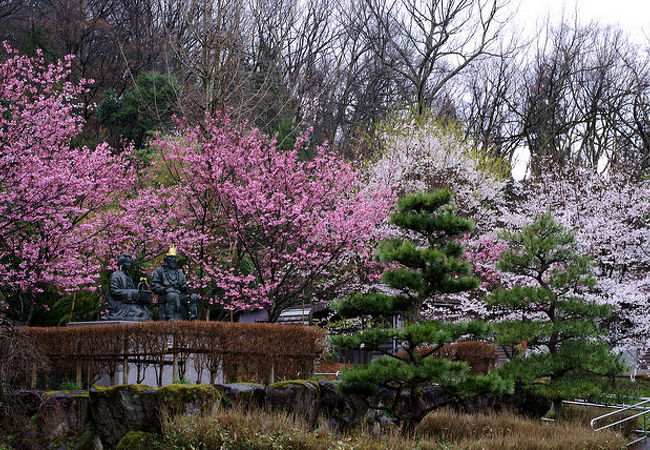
{"type": "Point", "coordinates": [127, 302]}
{"type": "Point", "coordinates": [175, 298]}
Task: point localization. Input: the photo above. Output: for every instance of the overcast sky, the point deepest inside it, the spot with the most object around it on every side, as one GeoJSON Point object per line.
{"type": "Point", "coordinates": [633, 16]}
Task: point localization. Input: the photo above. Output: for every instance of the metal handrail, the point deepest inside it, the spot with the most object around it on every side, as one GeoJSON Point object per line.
{"type": "Point", "coordinates": [618, 411]}
{"type": "Point", "coordinates": [645, 410]}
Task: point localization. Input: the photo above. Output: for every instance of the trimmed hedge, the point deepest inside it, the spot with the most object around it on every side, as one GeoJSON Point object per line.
{"type": "Point", "coordinates": [481, 356]}
{"type": "Point", "coordinates": [245, 352]}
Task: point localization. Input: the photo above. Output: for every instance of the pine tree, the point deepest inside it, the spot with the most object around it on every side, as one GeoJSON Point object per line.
{"type": "Point", "coordinates": [418, 273]}
{"type": "Point", "coordinates": [557, 341]}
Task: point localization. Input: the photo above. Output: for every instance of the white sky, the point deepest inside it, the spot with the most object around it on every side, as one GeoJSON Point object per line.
{"type": "Point", "coordinates": [632, 16]}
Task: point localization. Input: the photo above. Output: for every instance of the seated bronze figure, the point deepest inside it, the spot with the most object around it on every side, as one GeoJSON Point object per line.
{"type": "Point", "coordinates": [125, 301]}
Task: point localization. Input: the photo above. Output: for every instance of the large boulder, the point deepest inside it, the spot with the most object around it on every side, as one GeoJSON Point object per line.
{"type": "Point", "coordinates": [26, 401]}
{"type": "Point", "coordinates": [116, 410]}
{"type": "Point", "coordinates": [182, 399]}
{"type": "Point", "coordinates": [301, 398]}
{"type": "Point", "coordinates": [62, 413]}
{"type": "Point", "coordinates": [246, 395]}
{"type": "Point", "coordinates": [342, 412]}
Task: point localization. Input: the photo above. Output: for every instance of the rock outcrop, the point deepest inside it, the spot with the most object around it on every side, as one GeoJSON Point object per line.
{"type": "Point", "coordinates": [62, 413]}
{"type": "Point", "coordinates": [301, 398]}
{"type": "Point", "coordinates": [116, 410]}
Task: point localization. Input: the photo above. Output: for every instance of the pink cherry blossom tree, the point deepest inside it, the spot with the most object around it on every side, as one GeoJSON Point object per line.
{"type": "Point", "coordinates": [261, 227]}
{"type": "Point", "coordinates": [50, 192]}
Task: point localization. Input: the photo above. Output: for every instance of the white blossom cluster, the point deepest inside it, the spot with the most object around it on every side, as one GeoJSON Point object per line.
{"type": "Point", "coordinates": [610, 216]}
{"type": "Point", "coordinates": [423, 157]}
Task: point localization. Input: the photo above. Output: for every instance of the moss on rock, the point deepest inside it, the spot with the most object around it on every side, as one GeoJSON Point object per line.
{"type": "Point", "coordinates": [188, 399]}
{"type": "Point", "coordinates": [75, 393]}
{"type": "Point", "coordinates": [139, 440]}
{"type": "Point", "coordinates": [107, 391]}
{"type": "Point", "coordinates": [290, 383]}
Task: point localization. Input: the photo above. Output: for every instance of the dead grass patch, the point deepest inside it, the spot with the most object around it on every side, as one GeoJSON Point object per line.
{"type": "Point", "coordinates": [237, 428]}
{"type": "Point", "coordinates": [506, 430]}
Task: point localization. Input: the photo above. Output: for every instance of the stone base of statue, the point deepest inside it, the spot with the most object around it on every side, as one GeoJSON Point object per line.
{"type": "Point", "coordinates": [97, 322]}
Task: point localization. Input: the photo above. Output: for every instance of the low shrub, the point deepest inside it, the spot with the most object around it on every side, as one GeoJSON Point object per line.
{"type": "Point", "coordinates": [480, 356]}
{"type": "Point", "coordinates": [69, 385]}
{"type": "Point", "coordinates": [243, 351]}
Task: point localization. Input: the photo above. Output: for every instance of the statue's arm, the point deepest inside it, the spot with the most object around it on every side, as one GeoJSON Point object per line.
{"type": "Point", "coordinates": [183, 281]}
{"type": "Point", "coordinates": [117, 287]}
{"type": "Point", "coordinates": [156, 283]}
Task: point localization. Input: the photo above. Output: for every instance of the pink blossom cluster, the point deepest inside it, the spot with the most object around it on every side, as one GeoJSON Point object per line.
{"type": "Point", "coordinates": [483, 254]}
{"type": "Point", "coordinates": [50, 191]}
{"type": "Point", "coordinates": [300, 227]}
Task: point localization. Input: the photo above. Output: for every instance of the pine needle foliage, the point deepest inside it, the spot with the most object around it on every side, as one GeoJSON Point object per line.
{"type": "Point", "coordinates": [420, 268]}
{"type": "Point", "coordinates": [557, 345]}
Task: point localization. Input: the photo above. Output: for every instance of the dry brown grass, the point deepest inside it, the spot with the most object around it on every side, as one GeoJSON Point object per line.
{"type": "Point", "coordinates": [505, 430]}
{"type": "Point", "coordinates": [583, 415]}
{"type": "Point", "coordinates": [236, 428]}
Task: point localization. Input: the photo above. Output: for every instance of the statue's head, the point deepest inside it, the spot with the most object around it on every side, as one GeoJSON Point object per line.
{"type": "Point", "coordinates": [170, 258]}
{"type": "Point", "coordinates": [124, 262]}
{"type": "Point", "coordinates": [171, 261]}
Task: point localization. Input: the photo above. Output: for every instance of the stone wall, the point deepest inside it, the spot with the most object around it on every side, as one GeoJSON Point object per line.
{"type": "Point", "coordinates": [101, 417]}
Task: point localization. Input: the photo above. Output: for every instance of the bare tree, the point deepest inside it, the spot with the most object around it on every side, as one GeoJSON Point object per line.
{"type": "Point", "coordinates": [487, 114]}
{"type": "Point", "coordinates": [427, 43]}
{"type": "Point", "coordinates": [10, 7]}
{"type": "Point", "coordinates": [585, 96]}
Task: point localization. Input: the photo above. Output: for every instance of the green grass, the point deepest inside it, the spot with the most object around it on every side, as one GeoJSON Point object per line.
{"type": "Point", "coordinates": [639, 388]}
{"type": "Point", "coordinates": [69, 385]}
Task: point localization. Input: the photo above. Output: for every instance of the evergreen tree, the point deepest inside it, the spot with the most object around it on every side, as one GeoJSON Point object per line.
{"type": "Point", "coordinates": [141, 110]}
{"type": "Point", "coordinates": [418, 273]}
{"type": "Point", "coordinates": [556, 342]}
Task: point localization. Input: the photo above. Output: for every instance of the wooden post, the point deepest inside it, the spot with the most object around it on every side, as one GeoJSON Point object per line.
{"type": "Point", "coordinates": [34, 376]}
{"type": "Point", "coordinates": [125, 363]}
{"type": "Point", "coordinates": [125, 373]}
{"type": "Point", "coordinates": [78, 375]}
{"type": "Point", "coordinates": [272, 377]}
{"type": "Point", "coordinates": [175, 377]}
